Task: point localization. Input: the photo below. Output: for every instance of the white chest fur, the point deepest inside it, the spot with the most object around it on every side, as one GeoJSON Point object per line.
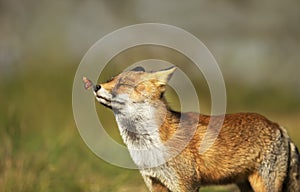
{"type": "Point", "coordinates": [140, 132]}
{"type": "Point", "coordinates": [139, 127]}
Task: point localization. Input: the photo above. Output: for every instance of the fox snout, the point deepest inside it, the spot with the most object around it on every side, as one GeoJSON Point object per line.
{"type": "Point", "coordinates": [96, 88]}
{"type": "Point", "coordinates": [102, 95]}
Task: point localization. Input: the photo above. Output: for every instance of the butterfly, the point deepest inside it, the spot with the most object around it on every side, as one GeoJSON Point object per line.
{"type": "Point", "coordinates": [87, 83]}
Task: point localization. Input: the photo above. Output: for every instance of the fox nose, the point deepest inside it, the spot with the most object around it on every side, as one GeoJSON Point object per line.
{"type": "Point", "coordinates": [97, 87]}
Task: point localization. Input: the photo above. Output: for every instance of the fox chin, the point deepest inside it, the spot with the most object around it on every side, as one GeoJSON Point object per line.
{"type": "Point", "coordinates": [251, 151]}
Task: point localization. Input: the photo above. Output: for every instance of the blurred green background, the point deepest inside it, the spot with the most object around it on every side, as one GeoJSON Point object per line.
{"type": "Point", "coordinates": [256, 44]}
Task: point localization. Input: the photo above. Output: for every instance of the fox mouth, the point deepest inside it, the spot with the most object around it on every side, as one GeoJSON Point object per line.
{"type": "Point", "coordinates": [104, 101]}
{"type": "Point", "coordinates": [114, 104]}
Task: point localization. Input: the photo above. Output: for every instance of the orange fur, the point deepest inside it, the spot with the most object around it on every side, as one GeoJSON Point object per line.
{"type": "Point", "coordinates": [249, 149]}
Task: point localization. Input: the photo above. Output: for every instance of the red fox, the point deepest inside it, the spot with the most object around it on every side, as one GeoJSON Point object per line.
{"type": "Point", "coordinates": [251, 151]}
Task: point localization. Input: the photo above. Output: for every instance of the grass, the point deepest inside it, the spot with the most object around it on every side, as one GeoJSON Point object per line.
{"type": "Point", "coordinates": [41, 149]}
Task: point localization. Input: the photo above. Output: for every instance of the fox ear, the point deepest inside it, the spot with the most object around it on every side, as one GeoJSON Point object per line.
{"type": "Point", "coordinates": [165, 75]}
{"type": "Point", "coordinates": [138, 68]}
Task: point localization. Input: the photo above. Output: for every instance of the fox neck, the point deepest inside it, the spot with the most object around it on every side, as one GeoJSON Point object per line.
{"type": "Point", "coordinates": [140, 122]}
{"type": "Point", "coordinates": [139, 127]}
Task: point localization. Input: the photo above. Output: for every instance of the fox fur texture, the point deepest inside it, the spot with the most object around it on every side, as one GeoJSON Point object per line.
{"type": "Point", "coordinates": [250, 150]}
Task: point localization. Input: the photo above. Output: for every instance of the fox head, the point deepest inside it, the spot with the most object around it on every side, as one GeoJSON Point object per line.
{"type": "Point", "coordinates": [136, 98]}
{"type": "Point", "coordinates": [133, 88]}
